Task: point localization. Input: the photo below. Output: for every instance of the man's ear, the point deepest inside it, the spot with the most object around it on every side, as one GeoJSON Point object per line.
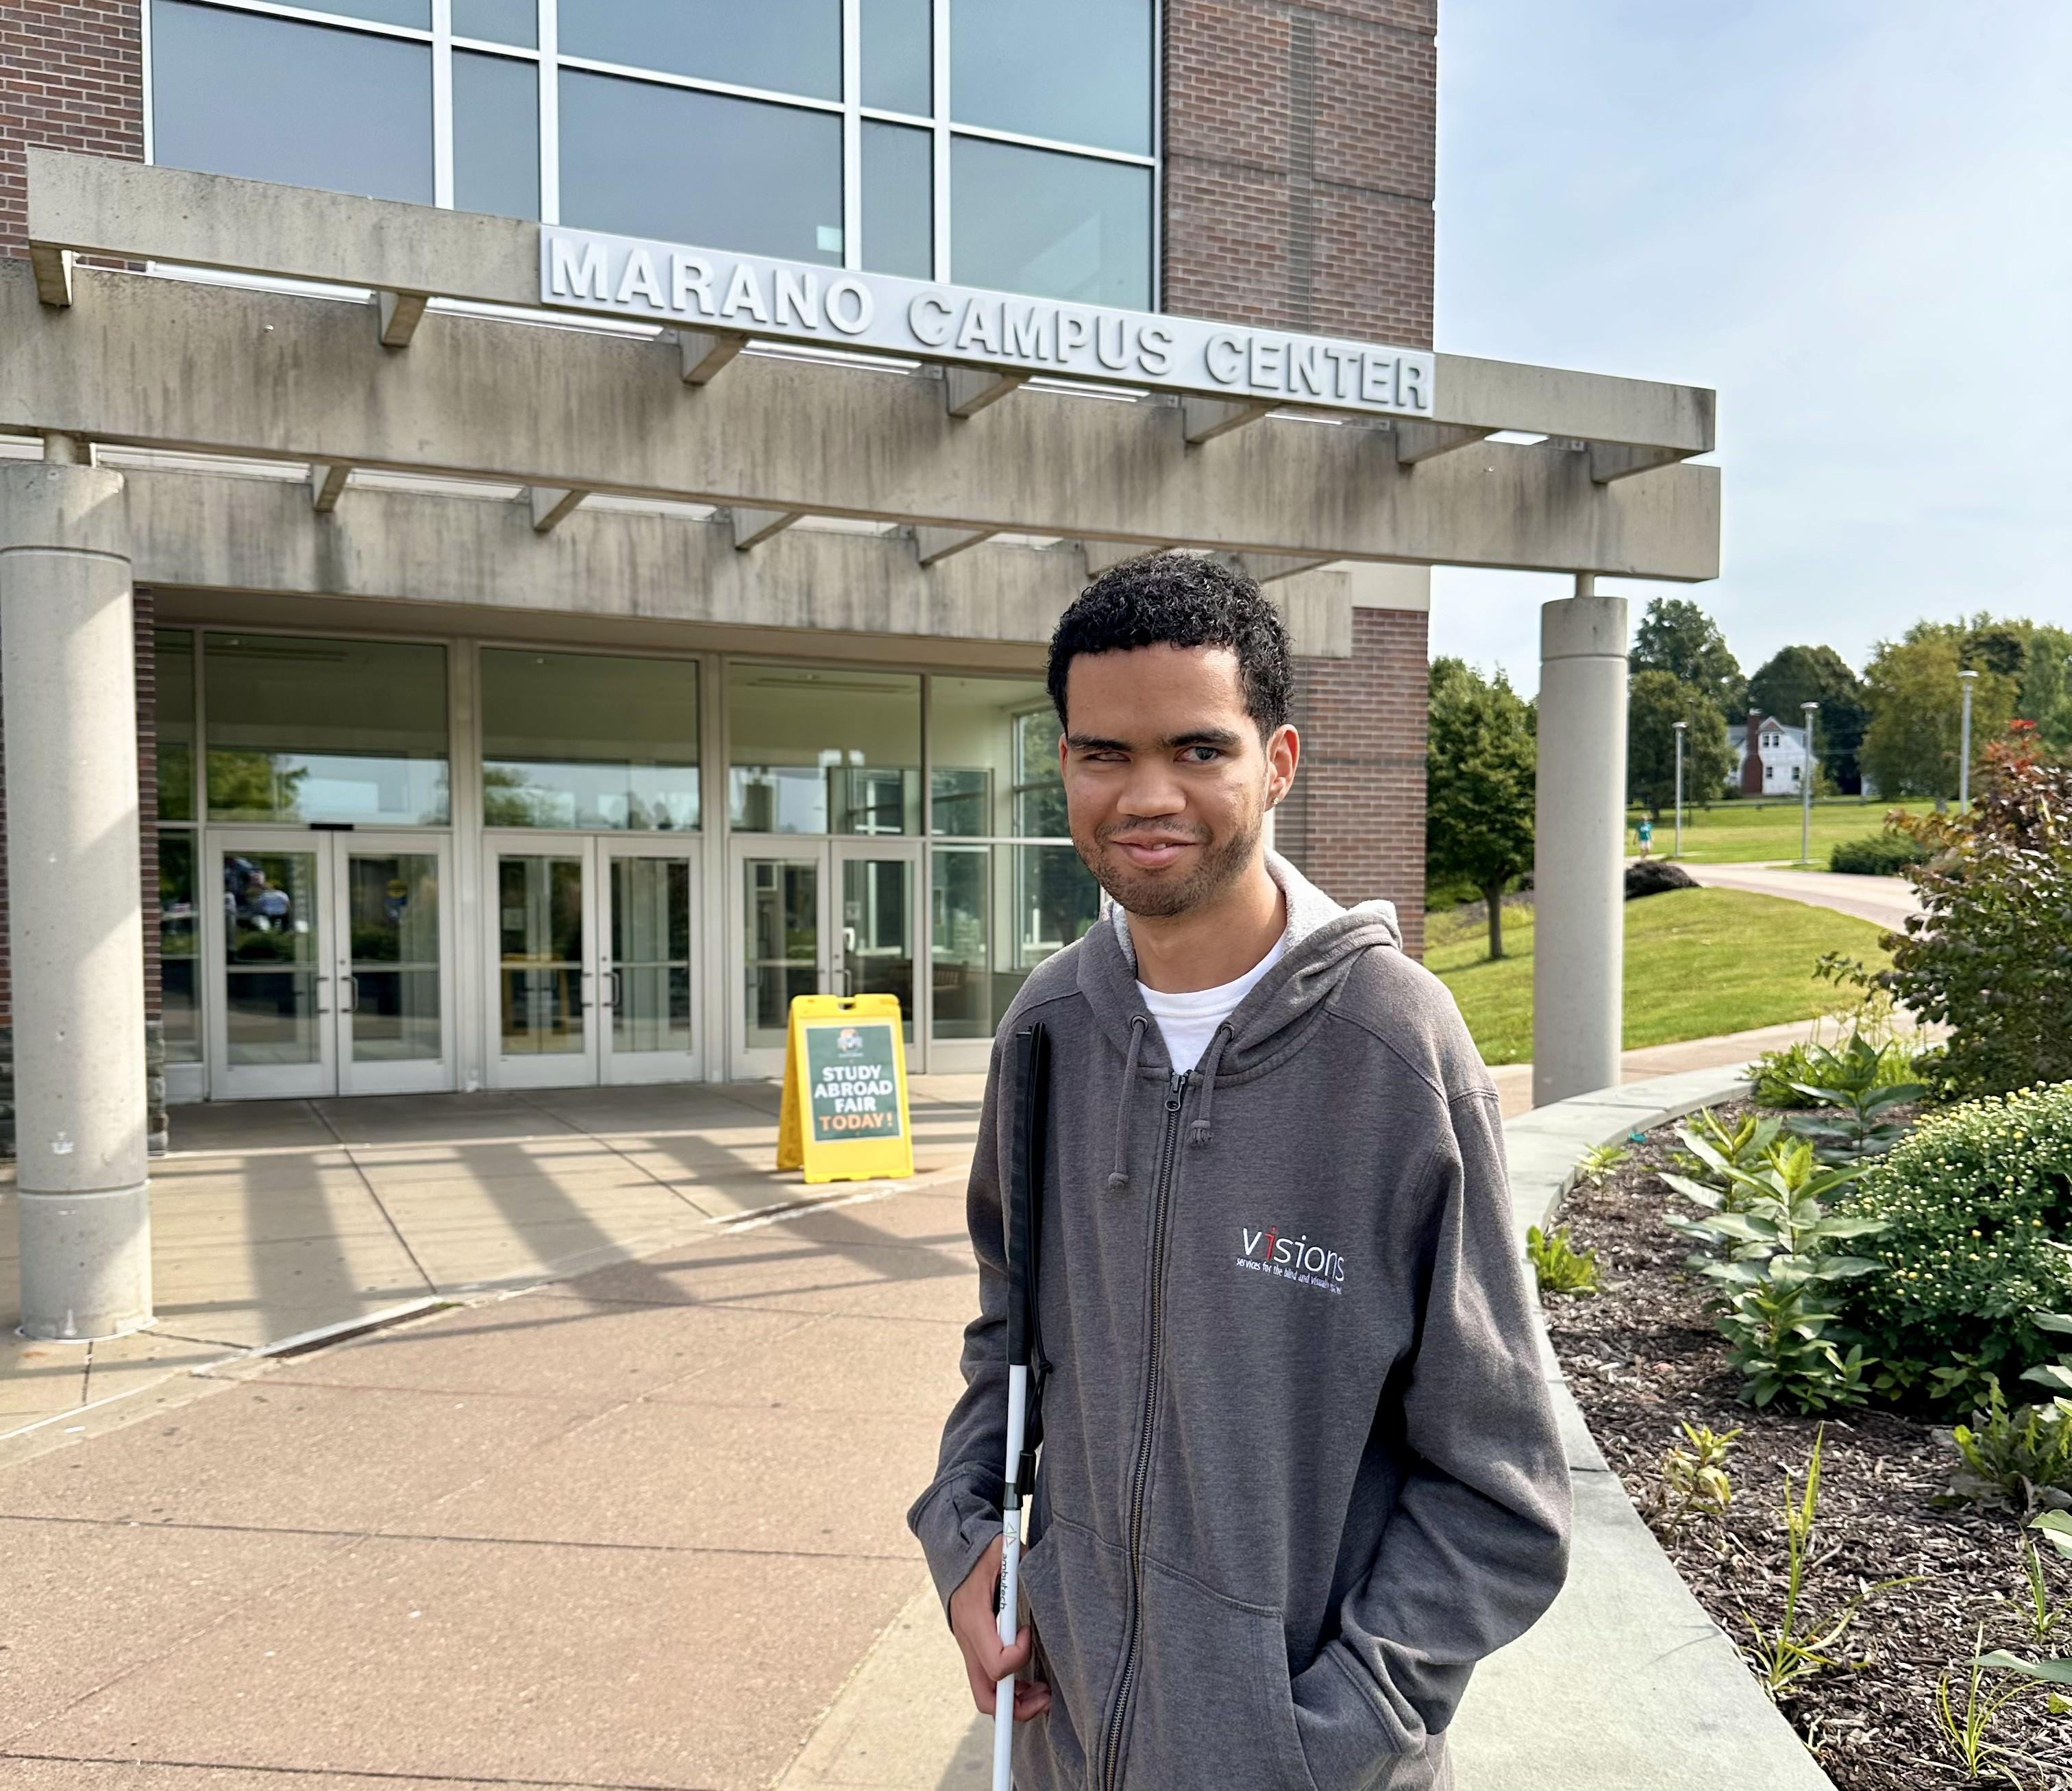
{"type": "Point", "coordinates": [1284, 752]}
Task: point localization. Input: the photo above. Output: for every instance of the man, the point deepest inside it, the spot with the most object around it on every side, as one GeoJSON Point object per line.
{"type": "Point", "coordinates": [1300, 1470]}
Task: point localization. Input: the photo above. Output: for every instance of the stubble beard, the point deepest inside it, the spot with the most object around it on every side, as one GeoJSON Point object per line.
{"type": "Point", "coordinates": [1158, 897]}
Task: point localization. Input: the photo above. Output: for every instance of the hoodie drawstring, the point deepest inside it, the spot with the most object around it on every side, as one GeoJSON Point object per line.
{"type": "Point", "coordinates": [1118, 1177]}
{"type": "Point", "coordinates": [1210, 1065]}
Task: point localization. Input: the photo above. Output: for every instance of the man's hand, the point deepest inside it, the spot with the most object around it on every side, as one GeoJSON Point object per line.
{"type": "Point", "coordinates": [977, 1629]}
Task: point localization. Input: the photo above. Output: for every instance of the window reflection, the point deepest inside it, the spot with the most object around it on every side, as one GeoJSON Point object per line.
{"type": "Point", "coordinates": [999, 911]}
{"type": "Point", "coordinates": [994, 744]}
{"type": "Point", "coordinates": [823, 751]}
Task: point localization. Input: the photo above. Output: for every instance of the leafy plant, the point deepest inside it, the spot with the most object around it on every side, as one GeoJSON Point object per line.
{"type": "Point", "coordinates": [1692, 1482]}
{"type": "Point", "coordinates": [1968, 1731]}
{"type": "Point", "coordinates": [1975, 1201]}
{"type": "Point", "coordinates": [1852, 1078]}
{"type": "Point", "coordinates": [1991, 950]}
{"type": "Point", "coordinates": [1557, 1265]}
{"type": "Point", "coordinates": [2019, 1457]}
{"type": "Point", "coordinates": [1767, 1239]}
{"type": "Point", "coordinates": [1871, 1016]}
{"type": "Point", "coordinates": [2042, 1613]}
{"type": "Point", "coordinates": [1598, 1161]}
{"type": "Point", "coordinates": [1797, 1650]}
{"type": "Point", "coordinates": [1884, 854]}
{"type": "Point", "coordinates": [1712, 1150]}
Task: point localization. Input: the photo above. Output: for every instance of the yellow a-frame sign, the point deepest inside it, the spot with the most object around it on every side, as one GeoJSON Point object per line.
{"type": "Point", "coordinates": [845, 1116]}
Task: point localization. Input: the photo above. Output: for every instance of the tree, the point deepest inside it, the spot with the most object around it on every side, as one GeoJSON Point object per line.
{"type": "Point", "coordinates": [1916, 702]}
{"type": "Point", "coordinates": [1480, 768]}
{"type": "Point", "coordinates": [2046, 686]}
{"type": "Point", "coordinates": [1677, 637]}
{"type": "Point", "coordinates": [1793, 675]}
{"type": "Point", "coordinates": [1990, 951]}
{"type": "Point", "coordinates": [1656, 703]}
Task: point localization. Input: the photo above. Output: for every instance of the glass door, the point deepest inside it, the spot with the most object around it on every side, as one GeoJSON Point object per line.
{"type": "Point", "coordinates": [544, 1017]}
{"type": "Point", "coordinates": [394, 987]}
{"type": "Point", "coordinates": [268, 939]}
{"type": "Point", "coordinates": [647, 1031]}
{"type": "Point", "coordinates": [330, 956]}
{"type": "Point", "coordinates": [816, 917]}
{"type": "Point", "coordinates": [874, 945]}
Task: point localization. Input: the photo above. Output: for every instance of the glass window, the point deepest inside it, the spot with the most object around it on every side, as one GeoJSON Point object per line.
{"type": "Point", "coordinates": [584, 740]}
{"type": "Point", "coordinates": [176, 723]}
{"type": "Point", "coordinates": [418, 13]}
{"type": "Point", "coordinates": [498, 21]}
{"type": "Point", "coordinates": [274, 99]}
{"type": "Point", "coordinates": [692, 168]}
{"type": "Point", "coordinates": [1059, 226]}
{"type": "Point", "coordinates": [1074, 71]}
{"type": "Point", "coordinates": [177, 953]}
{"type": "Point", "coordinates": [898, 196]}
{"type": "Point", "coordinates": [994, 744]}
{"type": "Point", "coordinates": [813, 750]}
{"type": "Point", "coordinates": [999, 911]}
{"type": "Point", "coordinates": [304, 729]}
{"type": "Point", "coordinates": [785, 46]}
{"type": "Point", "coordinates": [898, 55]}
{"type": "Point", "coordinates": [495, 135]}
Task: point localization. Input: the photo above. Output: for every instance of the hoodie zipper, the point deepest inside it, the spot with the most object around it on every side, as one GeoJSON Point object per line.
{"type": "Point", "coordinates": [1176, 1094]}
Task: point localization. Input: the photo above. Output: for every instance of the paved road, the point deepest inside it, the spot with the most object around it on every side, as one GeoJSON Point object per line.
{"type": "Point", "coordinates": [1886, 900]}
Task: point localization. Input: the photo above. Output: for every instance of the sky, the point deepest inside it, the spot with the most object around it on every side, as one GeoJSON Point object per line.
{"type": "Point", "coordinates": [1850, 218]}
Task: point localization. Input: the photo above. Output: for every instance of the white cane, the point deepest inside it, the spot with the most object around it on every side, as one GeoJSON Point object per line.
{"type": "Point", "coordinates": [1025, 1185]}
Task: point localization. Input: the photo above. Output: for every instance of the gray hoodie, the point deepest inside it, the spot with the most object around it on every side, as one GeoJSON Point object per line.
{"type": "Point", "coordinates": [1300, 1471]}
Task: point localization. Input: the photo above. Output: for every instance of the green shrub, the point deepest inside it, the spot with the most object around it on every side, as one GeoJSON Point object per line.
{"type": "Point", "coordinates": [1976, 1203]}
{"type": "Point", "coordinates": [1881, 855]}
{"type": "Point", "coordinates": [1854, 1079]}
{"type": "Point", "coordinates": [1990, 951]}
{"type": "Point", "coordinates": [1559, 1266]}
{"type": "Point", "coordinates": [1872, 1021]}
{"type": "Point", "coordinates": [2020, 1458]}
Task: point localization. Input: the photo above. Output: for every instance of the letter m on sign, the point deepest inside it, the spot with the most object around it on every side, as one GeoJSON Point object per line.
{"type": "Point", "coordinates": [575, 276]}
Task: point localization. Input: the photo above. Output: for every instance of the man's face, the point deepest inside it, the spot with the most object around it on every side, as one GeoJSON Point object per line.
{"type": "Point", "coordinates": [1166, 778]}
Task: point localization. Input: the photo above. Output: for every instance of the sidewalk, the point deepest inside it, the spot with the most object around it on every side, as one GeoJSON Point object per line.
{"type": "Point", "coordinates": [275, 1218]}
{"type": "Point", "coordinates": [1724, 1051]}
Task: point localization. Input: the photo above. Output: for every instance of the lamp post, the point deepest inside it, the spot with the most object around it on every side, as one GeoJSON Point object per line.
{"type": "Point", "coordinates": [1679, 727]}
{"type": "Point", "coordinates": [1964, 746]}
{"type": "Point", "coordinates": [1805, 790]}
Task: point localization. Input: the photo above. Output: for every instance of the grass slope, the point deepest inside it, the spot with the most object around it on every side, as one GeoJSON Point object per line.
{"type": "Point", "coordinates": [1698, 962]}
{"type": "Point", "coordinates": [1746, 833]}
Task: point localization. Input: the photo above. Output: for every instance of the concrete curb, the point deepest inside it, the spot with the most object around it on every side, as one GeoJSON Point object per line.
{"type": "Point", "coordinates": [1626, 1684]}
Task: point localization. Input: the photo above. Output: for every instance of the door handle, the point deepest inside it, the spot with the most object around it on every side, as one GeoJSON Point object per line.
{"type": "Point", "coordinates": [349, 987]}
{"type": "Point", "coordinates": [617, 997]}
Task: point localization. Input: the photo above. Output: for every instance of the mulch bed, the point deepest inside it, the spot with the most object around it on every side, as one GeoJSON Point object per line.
{"type": "Point", "coordinates": [1644, 1355]}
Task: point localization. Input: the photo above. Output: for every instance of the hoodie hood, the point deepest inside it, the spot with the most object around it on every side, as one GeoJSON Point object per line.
{"type": "Point", "coordinates": [1323, 942]}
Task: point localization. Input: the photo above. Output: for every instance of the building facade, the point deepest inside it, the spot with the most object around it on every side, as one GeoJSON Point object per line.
{"type": "Point", "coordinates": [529, 528]}
{"type": "Point", "coordinates": [833, 825]}
{"type": "Point", "coordinates": [1770, 756]}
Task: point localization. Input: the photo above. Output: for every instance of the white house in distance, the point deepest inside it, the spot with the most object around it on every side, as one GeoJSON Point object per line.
{"type": "Point", "coordinates": [1770, 759]}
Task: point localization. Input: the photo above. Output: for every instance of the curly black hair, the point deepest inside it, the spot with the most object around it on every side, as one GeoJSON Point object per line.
{"type": "Point", "coordinates": [1180, 600]}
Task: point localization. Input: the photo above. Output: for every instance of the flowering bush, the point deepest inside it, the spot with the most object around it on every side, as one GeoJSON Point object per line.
{"type": "Point", "coordinates": [1977, 1206]}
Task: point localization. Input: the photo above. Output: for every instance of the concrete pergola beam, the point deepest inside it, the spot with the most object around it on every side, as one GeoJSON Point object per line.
{"type": "Point", "coordinates": [299, 379]}
{"type": "Point", "coordinates": [97, 205]}
{"type": "Point", "coordinates": [550, 505]}
{"type": "Point", "coordinates": [1204, 419]}
{"type": "Point", "coordinates": [932, 546]}
{"type": "Point", "coordinates": [478, 564]}
{"type": "Point", "coordinates": [752, 526]}
{"type": "Point", "coordinates": [706, 352]}
{"type": "Point", "coordinates": [1611, 460]}
{"type": "Point", "coordinates": [968, 390]}
{"type": "Point", "coordinates": [327, 483]}
{"type": "Point", "coordinates": [400, 313]}
{"type": "Point", "coordinates": [1418, 442]}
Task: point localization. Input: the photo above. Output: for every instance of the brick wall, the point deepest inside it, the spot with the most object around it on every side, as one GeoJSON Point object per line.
{"type": "Point", "coordinates": [1355, 822]}
{"type": "Point", "coordinates": [1300, 150]}
{"type": "Point", "coordinates": [71, 77]}
{"type": "Point", "coordinates": [1299, 156]}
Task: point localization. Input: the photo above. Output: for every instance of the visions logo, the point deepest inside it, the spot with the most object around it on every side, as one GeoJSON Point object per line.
{"type": "Point", "coordinates": [1271, 1252]}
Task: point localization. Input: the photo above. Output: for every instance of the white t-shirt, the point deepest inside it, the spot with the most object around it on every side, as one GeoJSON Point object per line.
{"type": "Point", "coordinates": [1188, 1021]}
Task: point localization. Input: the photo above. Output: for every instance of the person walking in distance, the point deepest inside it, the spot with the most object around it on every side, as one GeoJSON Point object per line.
{"type": "Point", "coordinates": [1300, 1469]}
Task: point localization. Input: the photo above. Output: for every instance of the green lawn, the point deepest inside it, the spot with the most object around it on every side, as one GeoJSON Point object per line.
{"type": "Point", "coordinates": [1742, 832]}
{"type": "Point", "coordinates": [1698, 961]}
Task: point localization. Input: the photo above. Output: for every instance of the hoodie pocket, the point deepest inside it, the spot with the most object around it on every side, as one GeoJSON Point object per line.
{"type": "Point", "coordinates": [1214, 1704]}
{"type": "Point", "coordinates": [1078, 1589]}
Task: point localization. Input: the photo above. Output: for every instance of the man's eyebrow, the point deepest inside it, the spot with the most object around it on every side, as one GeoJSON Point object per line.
{"type": "Point", "coordinates": [1095, 743]}
{"type": "Point", "coordinates": [1203, 737]}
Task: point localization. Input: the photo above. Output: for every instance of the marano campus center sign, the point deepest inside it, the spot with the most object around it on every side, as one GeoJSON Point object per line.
{"type": "Point", "coordinates": [749, 295]}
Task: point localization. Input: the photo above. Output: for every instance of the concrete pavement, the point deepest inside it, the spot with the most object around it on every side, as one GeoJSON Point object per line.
{"type": "Point", "coordinates": [275, 1218]}
{"type": "Point", "coordinates": [1886, 900]}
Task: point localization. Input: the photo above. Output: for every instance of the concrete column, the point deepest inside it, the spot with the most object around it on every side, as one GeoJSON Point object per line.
{"type": "Point", "coordinates": [1579, 900]}
{"type": "Point", "coordinates": [68, 692]}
